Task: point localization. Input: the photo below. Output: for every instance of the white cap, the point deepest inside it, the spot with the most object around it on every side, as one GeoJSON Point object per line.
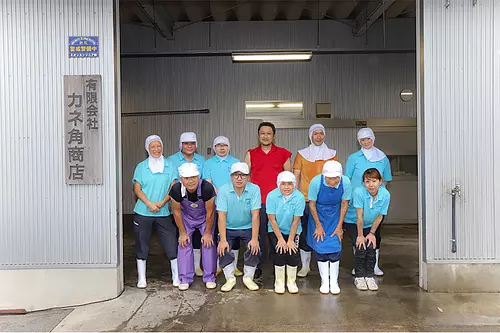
{"type": "Point", "coordinates": [188, 170]}
{"type": "Point", "coordinates": [366, 133]}
{"type": "Point", "coordinates": [241, 167]}
{"type": "Point", "coordinates": [221, 140]}
{"type": "Point", "coordinates": [152, 138]}
{"type": "Point", "coordinates": [286, 176]}
{"type": "Point", "coordinates": [332, 169]}
{"type": "Point", "coordinates": [187, 137]}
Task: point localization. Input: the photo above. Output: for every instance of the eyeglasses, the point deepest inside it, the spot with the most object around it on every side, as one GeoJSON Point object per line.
{"type": "Point", "coordinates": [239, 175]}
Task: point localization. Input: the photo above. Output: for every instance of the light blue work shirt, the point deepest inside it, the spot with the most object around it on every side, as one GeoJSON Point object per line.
{"type": "Point", "coordinates": [154, 185]}
{"type": "Point", "coordinates": [372, 208]}
{"type": "Point", "coordinates": [219, 170]}
{"type": "Point", "coordinates": [238, 208]}
{"type": "Point", "coordinates": [315, 185]}
{"type": "Point", "coordinates": [285, 211]}
{"type": "Point", "coordinates": [178, 159]}
{"type": "Point", "coordinates": [357, 164]}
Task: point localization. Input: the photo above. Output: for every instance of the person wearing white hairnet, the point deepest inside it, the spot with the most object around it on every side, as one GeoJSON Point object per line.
{"type": "Point", "coordinates": [367, 157]}
{"type": "Point", "coordinates": [152, 181]}
{"type": "Point", "coordinates": [193, 202]}
{"type": "Point", "coordinates": [217, 170]}
{"type": "Point", "coordinates": [307, 165]}
{"type": "Point", "coordinates": [284, 207]}
{"type": "Point", "coordinates": [187, 154]}
{"type": "Point", "coordinates": [329, 195]}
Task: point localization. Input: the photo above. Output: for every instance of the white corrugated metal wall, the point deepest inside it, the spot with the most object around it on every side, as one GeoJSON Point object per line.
{"type": "Point", "coordinates": [45, 222]}
{"type": "Point", "coordinates": [357, 85]}
{"type": "Point", "coordinates": [461, 104]}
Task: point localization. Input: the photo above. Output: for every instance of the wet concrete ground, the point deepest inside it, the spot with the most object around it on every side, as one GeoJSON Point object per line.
{"type": "Point", "coordinates": [399, 305]}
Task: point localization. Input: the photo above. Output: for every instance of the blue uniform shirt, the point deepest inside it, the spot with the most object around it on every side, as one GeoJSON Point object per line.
{"type": "Point", "coordinates": [154, 185]}
{"type": "Point", "coordinates": [357, 164]}
{"type": "Point", "coordinates": [371, 208]}
{"type": "Point", "coordinates": [219, 170]}
{"type": "Point", "coordinates": [285, 211]}
{"type": "Point", "coordinates": [315, 185]}
{"type": "Point", "coordinates": [238, 208]}
{"type": "Point", "coordinates": [178, 159]}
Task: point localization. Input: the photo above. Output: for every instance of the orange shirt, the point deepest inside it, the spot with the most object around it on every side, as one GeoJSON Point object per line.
{"type": "Point", "coordinates": [308, 170]}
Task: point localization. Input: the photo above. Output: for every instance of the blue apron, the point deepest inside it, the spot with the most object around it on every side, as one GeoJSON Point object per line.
{"type": "Point", "coordinates": [328, 206]}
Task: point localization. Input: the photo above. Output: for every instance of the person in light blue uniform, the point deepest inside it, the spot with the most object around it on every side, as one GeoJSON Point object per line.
{"type": "Point", "coordinates": [284, 208]}
{"type": "Point", "coordinates": [367, 157]}
{"type": "Point", "coordinates": [238, 205]}
{"type": "Point", "coordinates": [217, 170]}
{"type": "Point", "coordinates": [371, 202]}
{"type": "Point", "coordinates": [329, 195]}
{"type": "Point", "coordinates": [152, 181]}
{"type": "Point", "coordinates": [187, 154]}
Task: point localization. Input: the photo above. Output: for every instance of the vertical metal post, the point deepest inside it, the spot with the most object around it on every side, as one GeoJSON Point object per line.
{"type": "Point", "coordinates": [454, 193]}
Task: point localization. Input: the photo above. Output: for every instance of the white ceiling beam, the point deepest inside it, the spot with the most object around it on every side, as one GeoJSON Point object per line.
{"type": "Point", "coordinates": [397, 8]}
{"type": "Point", "coordinates": [343, 9]}
{"type": "Point", "coordinates": [294, 9]}
{"type": "Point", "coordinates": [157, 16]}
{"type": "Point", "coordinates": [369, 15]}
{"type": "Point", "coordinates": [220, 10]}
{"type": "Point", "coordinates": [195, 10]}
{"type": "Point", "coordinates": [269, 10]}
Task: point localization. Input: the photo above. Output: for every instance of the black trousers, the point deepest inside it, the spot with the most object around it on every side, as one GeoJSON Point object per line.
{"type": "Point", "coordinates": [282, 259]}
{"type": "Point", "coordinates": [305, 221]}
{"type": "Point", "coordinates": [364, 259]}
{"type": "Point", "coordinates": [264, 248]}
{"type": "Point", "coordinates": [166, 230]}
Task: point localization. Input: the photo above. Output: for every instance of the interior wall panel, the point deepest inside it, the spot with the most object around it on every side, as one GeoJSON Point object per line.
{"type": "Point", "coordinates": [358, 86]}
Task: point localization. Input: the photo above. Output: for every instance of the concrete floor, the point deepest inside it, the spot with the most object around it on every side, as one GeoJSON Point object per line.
{"type": "Point", "coordinates": [399, 305]}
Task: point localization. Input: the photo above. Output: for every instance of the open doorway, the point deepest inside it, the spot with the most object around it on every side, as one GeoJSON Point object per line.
{"type": "Point", "coordinates": [177, 58]}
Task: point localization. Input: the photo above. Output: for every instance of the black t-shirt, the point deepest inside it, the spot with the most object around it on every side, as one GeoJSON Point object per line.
{"type": "Point", "coordinates": [207, 192]}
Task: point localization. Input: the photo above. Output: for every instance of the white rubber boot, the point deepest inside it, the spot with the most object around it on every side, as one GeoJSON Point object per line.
{"type": "Point", "coordinates": [237, 272]}
{"type": "Point", "coordinates": [175, 273]}
{"type": "Point", "coordinates": [279, 279]}
{"type": "Point", "coordinates": [141, 273]}
{"type": "Point", "coordinates": [305, 258]}
{"type": "Point", "coordinates": [291, 277]}
{"type": "Point", "coordinates": [334, 278]}
{"type": "Point", "coordinates": [230, 279]}
{"type": "Point", "coordinates": [377, 270]}
{"type": "Point", "coordinates": [248, 273]}
{"type": "Point", "coordinates": [197, 262]}
{"type": "Point", "coordinates": [324, 272]}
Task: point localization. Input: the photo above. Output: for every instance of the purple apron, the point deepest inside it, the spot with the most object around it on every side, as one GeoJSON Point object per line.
{"type": "Point", "coordinates": [194, 216]}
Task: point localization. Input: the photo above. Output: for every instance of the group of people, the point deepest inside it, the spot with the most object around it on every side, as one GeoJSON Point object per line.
{"type": "Point", "coordinates": [202, 210]}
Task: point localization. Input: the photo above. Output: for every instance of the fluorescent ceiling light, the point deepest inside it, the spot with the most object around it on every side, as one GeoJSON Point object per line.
{"type": "Point", "coordinates": [272, 56]}
{"type": "Point", "coordinates": [259, 105]}
{"type": "Point", "coordinates": [290, 105]}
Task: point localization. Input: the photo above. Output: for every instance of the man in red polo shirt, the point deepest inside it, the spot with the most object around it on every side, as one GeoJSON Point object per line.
{"type": "Point", "coordinates": [266, 162]}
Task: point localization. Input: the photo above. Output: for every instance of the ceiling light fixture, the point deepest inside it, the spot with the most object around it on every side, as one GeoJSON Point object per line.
{"type": "Point", "coordinates": [271, 56]}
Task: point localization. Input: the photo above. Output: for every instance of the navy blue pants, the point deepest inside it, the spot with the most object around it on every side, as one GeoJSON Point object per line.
{"type": "Point", "coordinates": [234, 236]}
{"type": "Point", "coordinates": [166, 231]}
{"type": "Point", "coordinates": [304, 220]}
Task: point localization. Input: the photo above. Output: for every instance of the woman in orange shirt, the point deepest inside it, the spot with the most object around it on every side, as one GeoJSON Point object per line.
{"type": "Point", "coordinates": [308, 164]}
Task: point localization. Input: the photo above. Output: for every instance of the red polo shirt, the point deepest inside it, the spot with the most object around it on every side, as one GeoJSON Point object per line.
{"type": "Point", "coordinates": [266, 167]}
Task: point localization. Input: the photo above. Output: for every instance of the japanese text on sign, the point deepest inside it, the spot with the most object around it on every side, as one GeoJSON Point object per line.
{"type": "Point", "coordinates": [83, 131]}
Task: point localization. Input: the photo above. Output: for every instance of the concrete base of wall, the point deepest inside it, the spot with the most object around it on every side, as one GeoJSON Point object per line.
{"type": "Point", "coordinates": [469, 278]}
{"type": "Point", "coordinates": [38, 289]}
